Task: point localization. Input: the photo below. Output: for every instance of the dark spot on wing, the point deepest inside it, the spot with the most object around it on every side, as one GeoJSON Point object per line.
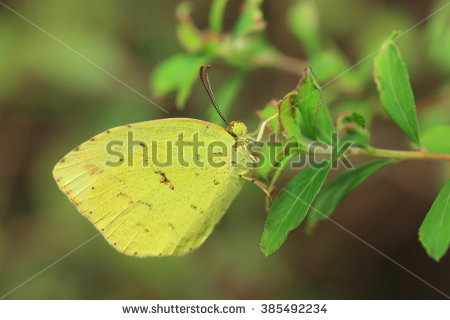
{"type": "Point", "coordinates": [171, 226]}
{"type": "Point", "coordinates": [146, 230]}
{"type": "Point", "coordinates": [108, 131]}
{"type": "Point", "coordinates": [129, 125]}
{"type": "Point", "coordinates": [62, 160]}
{"type": "Point", "coordinates": [92, 139]}
{"type": "Point", "coordinates": [194, 207]}
{"type": "Point", "coordinates": [216, 182]}
{"type": "Point", "coordinates": [197, 174]}
{"type": "Point", "coordinates": [145, 203]}
{"type": "Point", "coordinates": [92, 188]}
{"type": "Point", "coordinates": [164, 179]}
{"type": "Point", "coordinates": [76, 149]}
{"type": "Point", "coordinates": [122, 195]}
{"type": "Point", "coordinates": [163, 176]}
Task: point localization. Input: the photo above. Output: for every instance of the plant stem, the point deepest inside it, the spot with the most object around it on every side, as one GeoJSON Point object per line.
{"type": "Point", "coordinates": [397, 154]}
{"type": "Point", "coordinates": [360, 152]}
{"type": "Point", "coordinates": [380, 153]}
{"type": "Point", "coordinates": [283, 63]}
{"type": "Point", "coordinates": [291, 65]}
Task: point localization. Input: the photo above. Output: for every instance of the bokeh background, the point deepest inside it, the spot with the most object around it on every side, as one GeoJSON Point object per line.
{"type": "Point", "coordinates": [51, 100]}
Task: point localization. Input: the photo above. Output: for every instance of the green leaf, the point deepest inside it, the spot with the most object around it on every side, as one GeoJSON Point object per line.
{"type": "Point", "coordinates": [288, 117]}
{"type": "Point", "coordinates": [216, 15]}
{"type": "Point", "coordinates": [325, 125]}
{"type": "Point", "coordinates": [189, 37]}
{"type": "Point", "coordinates": [395, 91]}
{"type": "Point", "coordinates": [184, 10]}
{"type": "Point", "coordinates": [185, 86]}
{"type": "Point", "coordinates": [282, 160]}
{"type": "Point", "coordinates": [167, 76]}
{"type": "Point", "coordinates": [177, 73]}
{"type": "Point", "coordinates": [292, 205]}
{"type": "Point", "coordinates": [339, 188]}
{"type": "Point", "coordinates": [434, 233]}
{"type": "Point", "coordinates": [329, 63]}
{"type": "Point", "coordinates": [352, 117]}
{"type": "Point", "coordinates": [190, 74]}
{"type": "Point", "coordinates": [247, 52]}
{"type": "Point", "coordinates": [225, 96]}
{"type": "Point", "coordinates": [437, 139]}
{"type": "Point", "coordinates": [307, 102]}
{"type": "Point", "coordinates": [363, 108]}
{"type": "Point", "coordinates": [303, 22]}
{"type": "Point", "coordinates": [267, 159]}
{"type": "Point", "coordinates": [353, 128]}
{"type": "Point", "coordinates": [251, 18]}
{"type": "Point", "coordinates": [287, 153]}
{"type": "Point", "coordinates": [356, 136]}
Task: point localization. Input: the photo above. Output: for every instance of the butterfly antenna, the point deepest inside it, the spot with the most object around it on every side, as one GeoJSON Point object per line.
{"type": "Point", "coordinates": [207, 85]}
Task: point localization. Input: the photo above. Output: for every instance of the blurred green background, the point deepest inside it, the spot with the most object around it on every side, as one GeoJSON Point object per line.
{"type": "Point", "coordinates": [51, 100]}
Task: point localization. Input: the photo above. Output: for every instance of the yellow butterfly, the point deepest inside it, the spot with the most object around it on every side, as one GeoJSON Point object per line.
{"type": "Point", "coordinates": [158, 188]}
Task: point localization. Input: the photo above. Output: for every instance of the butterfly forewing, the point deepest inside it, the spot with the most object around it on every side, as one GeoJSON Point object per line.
{"type": "Point", "coordinates": [151, 192]}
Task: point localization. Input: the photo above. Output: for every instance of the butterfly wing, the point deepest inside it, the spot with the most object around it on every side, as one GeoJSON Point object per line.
{"type": "Point", "coordinates": [146, 194]}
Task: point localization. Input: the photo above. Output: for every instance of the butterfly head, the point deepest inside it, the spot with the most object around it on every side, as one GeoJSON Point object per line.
{"type": "Point", "coordinates": [237, 129]}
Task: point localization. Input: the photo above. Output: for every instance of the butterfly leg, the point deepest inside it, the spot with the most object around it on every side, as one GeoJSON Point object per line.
{"type": "Point", "coordinates": [263, 126]}
{"type": "Point", "coordinates": [252, 157]}
{"type": "Point", "coordinates": [258, 183]}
